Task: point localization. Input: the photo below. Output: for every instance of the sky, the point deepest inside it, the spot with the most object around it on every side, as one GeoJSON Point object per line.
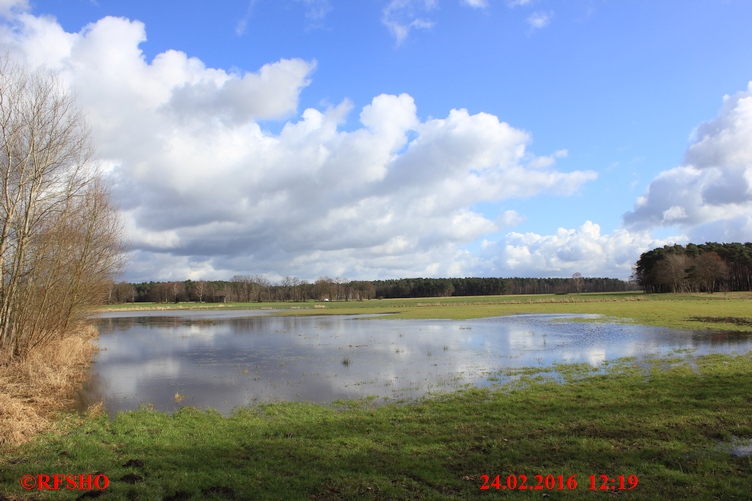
{"type": "Point", "coordinates": [375, 139]}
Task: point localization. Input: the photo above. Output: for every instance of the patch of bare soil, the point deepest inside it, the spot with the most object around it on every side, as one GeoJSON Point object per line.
{"type": "Point", "coordinates": [723, 320]}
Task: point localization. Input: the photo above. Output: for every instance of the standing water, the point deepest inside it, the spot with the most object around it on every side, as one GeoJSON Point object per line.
{"type": "Point", "coordinates": [228, 359]}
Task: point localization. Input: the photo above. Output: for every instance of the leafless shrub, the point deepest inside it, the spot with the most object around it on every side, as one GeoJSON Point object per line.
{"type": "Point", "coordinates": [60, 237]}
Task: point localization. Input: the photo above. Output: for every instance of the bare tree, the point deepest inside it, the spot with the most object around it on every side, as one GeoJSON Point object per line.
{"type": "Point", "coordinates": [243, 286]}
{"type": "Point", "coordinates": [578, 281]}
{"type": "Point", "coordinates": [671, 272]}
{"type": "Point", "coordinates": [261, 284]}
{"type": "Point", "coordinates": [122, 292]}
{"type": "Point", "coordinates": [60, 237]}
{"type": "Point", "coordinates": [176, 291]}
{"type": "Point", "coordinates": [341, 288]}
{"type": "Point", "coordinates": [288, 285]}
{"type": "Point", "coordinates": [322, 289]}
{"type": "Point", "coordinates": [709, 271]}
{"type": "Point", "coordinates": [199, 288]}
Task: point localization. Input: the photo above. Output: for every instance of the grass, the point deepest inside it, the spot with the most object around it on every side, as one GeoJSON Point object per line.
{"type": "Point", "coordinates": [730, 312]}
{"type": "Point", "coordinates": [666, 422]}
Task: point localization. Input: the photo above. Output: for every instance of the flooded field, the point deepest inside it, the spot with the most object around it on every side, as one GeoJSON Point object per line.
{"type": "Point", "coordinates": [228, 359]}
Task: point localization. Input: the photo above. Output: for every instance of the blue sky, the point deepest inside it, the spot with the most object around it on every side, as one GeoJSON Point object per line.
{"type": "Point", "coordinates": [388, 138]}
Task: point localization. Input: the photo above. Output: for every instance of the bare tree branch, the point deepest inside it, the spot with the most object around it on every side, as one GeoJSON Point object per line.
{"type": "Point", "coordinates": [60, 237]}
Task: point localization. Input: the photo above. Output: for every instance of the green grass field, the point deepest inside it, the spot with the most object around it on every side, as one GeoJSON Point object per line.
{"type": "Point", "coordinates": [717, 312]}
{"type": "Point", "coordinates": [672, 423]}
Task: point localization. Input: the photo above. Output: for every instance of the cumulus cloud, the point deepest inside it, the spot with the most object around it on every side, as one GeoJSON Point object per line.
{"type": "Point", "coordinates": [710, 195]}
{"type": "Point", "coordinates": [270, 93]}
{"type": "Point", "coordinates": [10, 8]}
{"type": "Point", "coordinates": [708, 198]}
{"type": "Point", "coordinates": [208, 192]}
{"type": "Point", "coordinates": [584, 249]}
{"type": "Point", "coordinates": [402, 16]}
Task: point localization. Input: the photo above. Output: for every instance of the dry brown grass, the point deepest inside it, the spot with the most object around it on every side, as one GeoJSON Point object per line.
{"type": "Point", "coordinates": [33, 389]}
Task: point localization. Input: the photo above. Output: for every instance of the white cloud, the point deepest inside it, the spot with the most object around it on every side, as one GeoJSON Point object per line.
{"type": "Point", "coordinates": [583, 250]}
{"type": "Point", "coordinates": [207, 192]}
{"type": "Point", "coordinates": [270, 93]}
{"type": "Point", "coordinates": [402, 16]}
{"type": "Point", "coordinates": [710, 196]}
{"type": "Point", "coordinates": [539, 20]}
{"type": "Point", "coordinates": [510, 218]}
{"type": "Point", "coordinates": [476, 4]}
{"type": "Point", "coordinates": [546, 161]}
{"type": "Point", "coordinates": [676, 212]}
{"type": "Point", "coordinates": [11, 8]}
{"type": "Point", "coordinates": [242, 25]}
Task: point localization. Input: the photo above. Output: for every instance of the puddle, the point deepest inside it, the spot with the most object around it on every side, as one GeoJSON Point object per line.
{"type": "Point", "coordinates": [738, 447]}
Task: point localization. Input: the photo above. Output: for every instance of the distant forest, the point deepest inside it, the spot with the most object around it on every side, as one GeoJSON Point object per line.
{"type": "Point", "coordinates": [709, 267]}
{"type": "Point", "coordinates": [257, 288]}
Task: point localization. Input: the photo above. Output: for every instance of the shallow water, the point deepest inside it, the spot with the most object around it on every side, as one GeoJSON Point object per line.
{"type": "Point", "coordinates": [227, 359]}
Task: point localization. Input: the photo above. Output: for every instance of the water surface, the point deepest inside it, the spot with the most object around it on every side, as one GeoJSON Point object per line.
{"type": "Point", "coordinates": [227, 359]}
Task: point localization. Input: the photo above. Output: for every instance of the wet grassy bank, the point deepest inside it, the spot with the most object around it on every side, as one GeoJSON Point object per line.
{"type": "Point", "coordinates": [670, 422]}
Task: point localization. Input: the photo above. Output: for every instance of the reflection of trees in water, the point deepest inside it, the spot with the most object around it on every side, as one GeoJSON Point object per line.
{"type": "Point", "coordinates": [720, 338]}
{"type": "Point", "coordinates": [114, 324]}
{"type": "Point", "coordinates": [253, 324]}
{"type": "Point", "coordinates": [90, 392]}
{"type": "Point", "coordinates": [277, 325]}
{"type": "Point", "coordinates": [232, 358]}
{"type": "Point", "coordinates": [122, 324]}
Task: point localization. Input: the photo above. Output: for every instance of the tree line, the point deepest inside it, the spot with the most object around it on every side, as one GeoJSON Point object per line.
{"type": "Point", "coordinates": [257, 288]}
{"type": "Point", "coordinates": [709, 267]}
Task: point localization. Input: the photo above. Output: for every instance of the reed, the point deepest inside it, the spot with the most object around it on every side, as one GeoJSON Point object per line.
{"type": "Point", "coordinates": [44, 382]}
